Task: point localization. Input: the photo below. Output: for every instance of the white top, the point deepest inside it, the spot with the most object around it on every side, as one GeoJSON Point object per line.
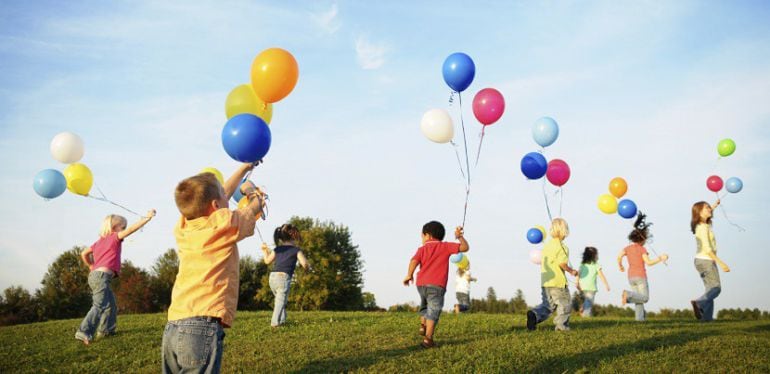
{"type": "Point", "coordinates": [463, 283]}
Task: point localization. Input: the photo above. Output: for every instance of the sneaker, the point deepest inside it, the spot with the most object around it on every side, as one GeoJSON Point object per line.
{"type": "Point", "coordinates": [428, 343]}
{"type": "Point", "coordinates": [531, 321]}
{"type": "Point", "coordinates": [696, 310]}
{"type": "Point", "coordinates": [82, 337]}
{"type": "Point", "coordinates": [102, 335]}
{"type": "Point", "coordinates": [566, 328]}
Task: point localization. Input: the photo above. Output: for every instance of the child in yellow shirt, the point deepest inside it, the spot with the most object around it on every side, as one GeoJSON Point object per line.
{"type": "Point", "coordinates": [205, 294]}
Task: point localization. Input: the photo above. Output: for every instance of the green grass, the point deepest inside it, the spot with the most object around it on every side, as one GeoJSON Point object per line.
{"type": "Point", "coordinates": [388, 342]}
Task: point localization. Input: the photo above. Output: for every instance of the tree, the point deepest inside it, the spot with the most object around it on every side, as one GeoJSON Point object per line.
{"type": "Point", "coordinates": [162, 279]}
{"type": "Point", "coordinates": [65, 292]}
{"type": "Point", "coordinates": [518, 302]}
{"type": "Point", "coordinates": [369, 301]}
{"type": "Point", "coordinates": [17, 306]}
{"type": "Point", "coordinates": [491, 295]}
{"type": "Point", "coordinates": [132, 290]}
{"type": "Point", "coordinates": [251, 274]}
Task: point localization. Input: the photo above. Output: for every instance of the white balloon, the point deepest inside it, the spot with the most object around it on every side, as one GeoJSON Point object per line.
{"type": "Point", "coordinates": [437, 126]}
{"type": "Point", "coordinates": [67, 148]}
{"type": "Point", "coordinates": [536, 256]}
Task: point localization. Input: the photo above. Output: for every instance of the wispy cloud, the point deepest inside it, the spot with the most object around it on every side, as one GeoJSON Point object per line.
{"type": "Point", "coordinates": [370, 56]}
{"type": "Point", "coordinates": [328, 20]}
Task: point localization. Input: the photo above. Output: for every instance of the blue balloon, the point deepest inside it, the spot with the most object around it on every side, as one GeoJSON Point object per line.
{"type": "Point", "coordinates": [545, 131]}
{"type": "Point", "coordinates": [237, 195]}
{"type": "Point", "coordinates": [627, 208]}
{"type": "Point", "coordinates": [459, 71]}
{"type": "Point", "coordinates": [534, 236]}
{"type": "Point", "coordinates": [246, 138]}
{"type": "Point", "coordinates": [455, 258]}
{"type": "Point", "coordinates": [534, 165]}
{"type": "Point", "coordinates": [49, 183]}
{"type": "Point", "coordinates": [734, 185]}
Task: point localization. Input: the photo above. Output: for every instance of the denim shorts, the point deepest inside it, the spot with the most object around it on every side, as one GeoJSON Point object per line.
{"type": "Point", "coordinates": [463, 301]}
{"type": "Point", "coordinates": [192, 344]}
{"type": "Point", "coordinates": [431, 301]}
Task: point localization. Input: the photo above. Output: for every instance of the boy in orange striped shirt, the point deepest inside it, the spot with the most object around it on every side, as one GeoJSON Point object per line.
{"type": "Point", "coordinates": [205, 294]}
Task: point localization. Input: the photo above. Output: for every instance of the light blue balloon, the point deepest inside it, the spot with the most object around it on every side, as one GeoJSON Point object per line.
{"type": "Point", "coordinates": [49, 183]}
{"type": "Point", "coordinates": [545, 131]}
{"type": "Point", "coordinates": [455, 258]}
{"type": "Point", "coordinates": [734, 185]}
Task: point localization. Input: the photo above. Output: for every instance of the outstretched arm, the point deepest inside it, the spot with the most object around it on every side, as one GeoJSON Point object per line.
{"type": "Point", "coordinates": [565, 267]}
{"type": "Point", "coordinates": [137, 225]}
{"type": "Point", "coordinates": [464, 247]}
{"type": "Point", "coordinates": [235, 180]}
{"type": "Point", "coordinates": [656, 261]}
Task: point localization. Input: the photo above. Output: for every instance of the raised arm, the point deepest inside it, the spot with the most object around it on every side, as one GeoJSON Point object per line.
{"type": "Point", "coordinates": [268, 256]}
{"type": "Point", "coordinates": [85, 255]}
{"type": "Point", "coordinates": [137, 225]}
{"type": "Point", "coordinates": [620, 260]}
{"type": "Point", "coordinates": [235, 180]}
{"type": "Point", "coordinates": [464, 247]}
{"type": "Point", "coordinates": [716, 204]}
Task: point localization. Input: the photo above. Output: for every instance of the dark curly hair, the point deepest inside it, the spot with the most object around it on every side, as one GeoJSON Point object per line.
{"type": "Point", "coordinates": [286, 233]}
{"type": "Point", "coordinates": [590, 255]}
{"type": "Point", "coordinates": [641, 231]}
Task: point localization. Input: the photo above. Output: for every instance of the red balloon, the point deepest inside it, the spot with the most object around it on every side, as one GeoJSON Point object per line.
{"type": "Point", "coordinates": [488, 106]}
{"type": "Point", "coordinates": [714, 183]}
{"type": "Point", "coordinates": [558, 172]}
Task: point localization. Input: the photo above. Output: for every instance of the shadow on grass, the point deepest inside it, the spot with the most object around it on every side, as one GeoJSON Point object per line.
{"type": "Point", "coordinates": [358, 361]}
{"type": "Point", "coordinates": [765, 328]}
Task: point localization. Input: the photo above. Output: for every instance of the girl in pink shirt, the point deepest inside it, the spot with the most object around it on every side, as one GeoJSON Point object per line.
{"type": "Point", "coordinates": [103, 259]}
{"type": "Point", "coordinates": [637, 259]}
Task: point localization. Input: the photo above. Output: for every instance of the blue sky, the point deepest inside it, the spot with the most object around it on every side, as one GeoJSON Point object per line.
{"type": "Point", "coordinates": [642, 90]}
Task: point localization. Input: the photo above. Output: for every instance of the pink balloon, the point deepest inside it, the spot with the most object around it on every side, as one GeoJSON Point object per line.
{"type": "Point", "coordinates": [558, 172]}
{"type": "Point", "coordinates": [488, 106]}
{"type": "Point", "coordinates": [714, 183]}
{"type": "Point", "coordinates": [536, 256]}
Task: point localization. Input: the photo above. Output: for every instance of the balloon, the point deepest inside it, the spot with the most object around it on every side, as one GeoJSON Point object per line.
{"type": "Point", "coordinates": [618, 187]}
{"type": "Point", "coordinates": [246, 138]}
{"type": "Point", "coordinates": [488, 106]}
{"type": "Point", "coordinates": [67, 148]}
{"type": "Point", "coordinates": [455, 258]}
{"type": "Point", "coordinates": [237, 195]}
{"type": "Point", "coordinates": [726, 147]}
{"type": "Point", "coordinates": [458, 71]}
{"type": "Point", "coordinates": [627, 208]}
{"type": "Point", "coordinates": [541, 228]}
{"type": "Point", "coordinates": [734, 185]}
{"type": "Point", "coordinates": [545, 131]}
{"type": "Point", "coordinates": [534, 165]}
{"type": "Point", "coordinates": [437, 126]}
{"type": "Point", "coordinates": [534, 236]}
{"type": "Point", "coordinates": [242, 99]}
{"type": "Point", "coordinates": [274, 74]}
{"type": "Point", "coordinates": [216, 173]}
{"type": "Point", "coordinates": [608, 204]}
{"type": "Point", "coordinates": [464, 263]}
{"type": "Point", "coordinates": [49, 183]}
{"type": "Point", "coordinates": [714, 183]}
{"type": "Point", "coordinates": [558, 172]}
{"type": "Point", "coordinates": [79, 179]}
{"type": "Point", "coordinates": [244, 202]}
{"type": "Point", "coordinates": [536, 256]}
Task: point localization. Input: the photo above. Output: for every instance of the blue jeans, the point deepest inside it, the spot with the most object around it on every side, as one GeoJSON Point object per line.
{"type": "Point", "coordinates": [588, 302]}
{"type": "Point", "coordinates": [557, 300]}
{"type": "Point", "coordinates": [463, 301]}
{"type": "Point", "coordinates": [710, 275]}
{"type": "Point", "coordinates": [431, 301]}
{"type": "Point", "coordinates": [104, 311]}
{"type": "Point", "coordinates": [279, 284]}
{"type": "Point", "coordinates": [639, 295]}
{"type": "Point", "coordinates": [192, 345]}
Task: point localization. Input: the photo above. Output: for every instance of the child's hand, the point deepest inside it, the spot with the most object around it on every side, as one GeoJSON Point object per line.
{"type": "Point", "coordinates": [458, 232]}
{"type": "Point", "coordinates": [622, 269]}
{"type": "Point", "coordinates": [150, 213]}
{"type": "Point", "coordinates": [407, 280]}
{"type": "Point", "coordinates": [574, 273]}
{"type": "Point", "coordinates": [608, 288]}
{"type": "Point", "coordinates": [725, 268]}
{"type": "Point", "coordinates": [265, 248]}
{"type": "Point", "coordinates": [664, 257]}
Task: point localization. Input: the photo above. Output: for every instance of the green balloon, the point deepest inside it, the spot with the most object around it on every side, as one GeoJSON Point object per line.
{"type": "Point", "coordinates": [726, 147]}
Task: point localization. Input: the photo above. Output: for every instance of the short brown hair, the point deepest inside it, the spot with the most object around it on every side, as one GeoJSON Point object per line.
{"type": "Point", "coordinates": [194, 195]}
{"type": "Point", "coordinates": [696, 208]}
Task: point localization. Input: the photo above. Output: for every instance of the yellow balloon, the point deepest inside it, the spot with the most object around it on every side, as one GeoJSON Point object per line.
{"type": "Point", "coordinates": [79, 178]}
{"type": "Point", "coordinates": [244, 202]}
{"type": "Point", "coordinates": [542, 229]}
{"type": "Point", "coordinates": [242, 99]}
{"type": "Point", "coordinates": [608, 203]}
{"type": "Point", "coordinates": [464, 263]}
{"type": "Point", "coordinates": [216, 173]}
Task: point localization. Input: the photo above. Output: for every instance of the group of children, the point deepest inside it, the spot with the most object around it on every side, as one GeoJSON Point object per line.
{"type": "Point", "coordinates": [205, 292]}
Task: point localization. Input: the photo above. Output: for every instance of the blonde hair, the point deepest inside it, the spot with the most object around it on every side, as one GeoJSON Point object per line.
{"type": "Point", "coordinates": [559, 229]}
{"type": "Point", "coordinates": [110, 222]}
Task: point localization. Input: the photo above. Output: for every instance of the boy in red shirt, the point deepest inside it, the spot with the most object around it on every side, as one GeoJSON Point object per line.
{"type": "Point", "coordinates": [433, 259]}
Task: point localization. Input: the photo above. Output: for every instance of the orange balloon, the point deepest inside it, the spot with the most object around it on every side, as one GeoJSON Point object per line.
{"type": "Point", "coordinates": [274, 74]}
{"type": "Point", "coordinates": [618, 187]}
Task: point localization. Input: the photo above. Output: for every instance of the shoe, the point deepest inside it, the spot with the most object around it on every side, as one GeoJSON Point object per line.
{"type": "Point", "coordinates": [562, 328]}
{"type": "Point", "coordinates": [428, 343]}
{"type": "Point", "coordinates": [83, 338]}
{"type": "Point", "coordinates": [696, 310]}
{"type": "Point", "coordinates": [102, 335]}
{"type": "Point", "coordinates": [531, 321]}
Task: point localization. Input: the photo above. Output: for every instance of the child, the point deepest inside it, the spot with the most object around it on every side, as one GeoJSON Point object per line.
{"type": "Point", "coordinates": [554, 284]}
{"type": "Point", "coordinates": [205, 293]}
{"type": "Point", "coordinates": [587, 280]}
{"type": "Point", "coordinates": [706, 260]}
{"type": "Point", "coordinates": [285, 256]}
{"type": "Point", "coordinates": [463, 290]}
{"type": "Point", "coordinates": [103, 259]}
{"type": "Point", "coordinates": [433, 259]}
{"type": "Point", "coordinates": [637, 259]}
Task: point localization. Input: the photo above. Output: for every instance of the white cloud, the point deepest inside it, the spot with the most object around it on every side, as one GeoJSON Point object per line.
{"type": "Point", "coordinates": [328, 20]}
{"type": "Point", "coordinates": [370, 56]}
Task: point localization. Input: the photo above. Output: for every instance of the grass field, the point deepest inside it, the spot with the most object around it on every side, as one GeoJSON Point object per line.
{"type": "Point", "coordinates": [388, 343]}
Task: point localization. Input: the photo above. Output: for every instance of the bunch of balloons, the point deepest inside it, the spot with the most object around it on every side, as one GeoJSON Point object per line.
{"type": "Point", "coordinates": [249, 107]}
{"type": "Point", "coordinates": [608, 203]}
{"type": "Point", "coordinates": [461, 260]}
{"type": "Point", "coordinates": [66, 148]}
{"type": "Point", "coordinates": [714, 183]}
{"type": "Point", "coordinates": [534, 165]}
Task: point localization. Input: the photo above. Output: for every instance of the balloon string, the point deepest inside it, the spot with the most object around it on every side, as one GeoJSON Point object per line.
{"type": "Point", "coordinates": [104, 199]}
{"type": "Point", "coordinates": [465, 208]}
{"type": "Point", "coordinates": [716, 163]}
{"type": "Point", "coordinates": [478, 152]}
{"type": "Point", "coordinates": [259, 233]}
{"type": "Point", "coordinates": [561, 199]}
{"type": "Point", "coordinates": [547, 208]}
{"type": "Point", "coordinates": [724, 212]}
{"type": "Point", "coordinates": [457, 155]}
{"type": "Point", "coordinates": [467, 162]}
{"type": "Point", "coordinates": [656, 254]}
